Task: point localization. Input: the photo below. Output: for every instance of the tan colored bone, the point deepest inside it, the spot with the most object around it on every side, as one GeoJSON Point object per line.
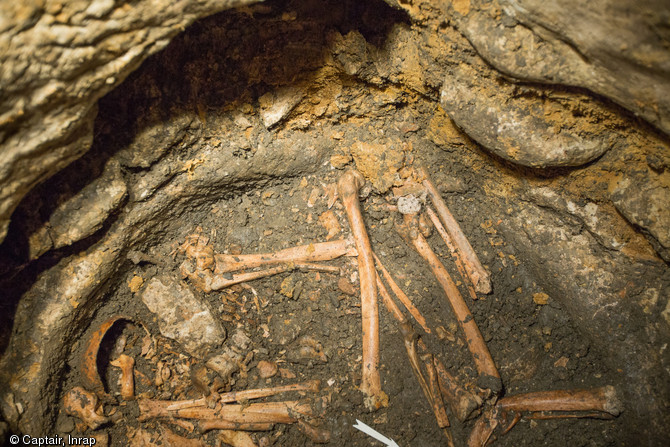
{"type": "Point", "coordinates": [207, 281]}
{"type": "Point", "coordinates": [127, 365]}
{"type": "Point", "coordinates": [597, 402]}
{"type": "Point", "coordinates": [84, 405]}
{"type": "Point", "coordinates": [452, 249]}
{"type": "Point", "coordinates": [463, 403]}
{"type": "Point", "coordinates": [478, 275]}
{"type": "Point", "coordinates": [236, 438]}
{"type": "Point", "coordinates": [311, 386]}
{"type": "Point", "coordinates": [428, 386]}
{"type": "Point", "coordinates": [404, 299]}
{"type": "Point", "coordinates": [348, 185]}
{"type": "Point", "coordinates": [475, 342]}
{"type": "Point", "coordinates": [602, 399]}
{"type": "Point", "coordinates": [316, 434]}
{"type": "Point", "coordinates": [268, 412]}
{"type": "Point", "coordinates": [321, 251]}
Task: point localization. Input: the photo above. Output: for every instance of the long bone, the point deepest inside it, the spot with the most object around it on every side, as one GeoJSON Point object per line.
{"type": "Point", "coordinates": [207, 281]}
{"type": "Point", "coordinates": [348, 185]}
{"type": "Point", "coordinates": [591, 403]}
{"type": "Point", "coordinates": [428, 385]}
{"type": "Point", "coordinates": [404, 299]}
{"type": "Point", "coordinates": [311, 386]}
{"type": "Point", "coordinates": [475, 270]}
{"type": "Point", "coordinates": [488, 373]}
{"type": "Point", "coordinates": [460, 265]}
{"type": "Point", "coordinates": [320, 251]}
{"type": "Point", "coordinates": [286, 412]}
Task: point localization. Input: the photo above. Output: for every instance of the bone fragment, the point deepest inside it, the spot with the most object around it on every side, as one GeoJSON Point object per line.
{"type": "Point", "coordinates": [89, 365]}
{"type": "Point", "coordinates": [127, 365]}
{"type": "Point", "coordinates": [311, 386]}
{"type": "Point", "coordinates": [429, 386]}
{"type": "Point", "coordinates": [480, 352]}
{"type": "Point", "coordinates": [474, 268]}
{"type": "Point", "coordinates": [321, 251]}
{"type": "Point", "coordinates": [437, 403]}
{"type": "Point", "coordinates": [348, 185]}
{"type": "Point", "coordinates": [84, 405]}
{"type": "Point", "coordinates": [315, 434]}
{"type": "Point", "coordinates": [463, 403]}
{"type": "Point", "coordinates": [404, 299]}
{"type": "Point", "coordinates": [452, 249]}
{"type": "Point", "coordinates": [236, 438]}
{"type": "Point", "coordinates": [206, 425]}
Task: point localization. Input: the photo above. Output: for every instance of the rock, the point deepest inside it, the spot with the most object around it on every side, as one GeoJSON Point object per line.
{"type": "Point", "coordinates": [602, 45]}
{"type": "Point", "coordinates": [267, 369]}
{"type": "Point", "coordinates": [346, 287]}
{"type": "Point", "coordinates": [596, 298]}
{"type": "Point", "coordinates": [643, 200]}
{"type": "Point", "coordinates": [378, 163]}
{"type": "Point", "coordinates": [182, 317]}
{"type": "Point", "coordinates": [540, 298]}
{"type": "Point", "coordinates": [275, 106]}
{"type": "Point", "coordinates": [409, 204]}
{"type": "Point", "coordinates": [83, 214]}
{"type": "Point", "coordinates": [58, 60]}
{"type": "Point", "coordinates": [526, 130]}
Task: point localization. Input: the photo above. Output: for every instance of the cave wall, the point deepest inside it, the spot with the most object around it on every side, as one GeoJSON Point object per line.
{"type": "Point", "coordinates": [561, 109]}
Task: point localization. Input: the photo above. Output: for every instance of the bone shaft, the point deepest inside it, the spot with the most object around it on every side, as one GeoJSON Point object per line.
{"type": "Point", "coordinates": [220, 282]}
{"type": "Point", "coordinates": [348, 186]}
{"type": "Point", "coordinates": [458, 259]}
{"type": "Point", "coordinates": [269, 412]}
{"type": "Point", "coordinates": [404, 299]}
{"type": "Point", "coordinates": [217, 424]}
{"type": "Point", "coordinates": [478, 275]}
{"type": "Point", "coordinates": [475, 341]}
{"type": "Point", "coordinates": [236, 396]}
{"type": "Point", "coordinates": [321, 251]}
{"type": "Point", "coordinates": [437, 403]}
{"type": "Point", "coordinates": [597, 399]}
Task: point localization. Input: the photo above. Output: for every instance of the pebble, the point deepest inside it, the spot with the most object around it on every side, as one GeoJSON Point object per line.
{"type": "Point", "coordinates": [266, 369]}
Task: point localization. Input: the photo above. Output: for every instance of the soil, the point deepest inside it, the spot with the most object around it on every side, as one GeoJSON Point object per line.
{"type": "Point", "coordinates": [534, 342]}
{"type": "Point", "coordinates": [534, 345]}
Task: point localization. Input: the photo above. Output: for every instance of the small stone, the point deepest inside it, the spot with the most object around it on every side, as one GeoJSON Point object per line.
{"type": "Point", "coordinates": [286, 373]}
{"type": "Point", "coordinates": [266, 369]}
{"type": "Point", "coordinates": [409, 204]}
{"type": "Point", "coordinates": [135, 284]}
{"type": "Point", "coordinates": [287, 287]}
{"type": "Point", "coordinates": [346, 287]}
{"type": "Point", "coordinates": [540, 298]}
{"type": "Point", "coordinates": [339, 161]}
{"type": "Point", "coordinates": [561, 363]}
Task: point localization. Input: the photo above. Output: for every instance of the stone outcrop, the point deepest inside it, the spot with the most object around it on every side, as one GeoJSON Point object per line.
{"type": "Point", "coordinates": [58, 59]}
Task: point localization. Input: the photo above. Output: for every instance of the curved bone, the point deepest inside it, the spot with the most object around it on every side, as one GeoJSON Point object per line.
{"type": "Point", "coordinates": [348, 186]}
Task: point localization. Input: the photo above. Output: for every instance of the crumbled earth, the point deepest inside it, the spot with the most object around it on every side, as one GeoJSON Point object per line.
{"type": "Point", "coordinates": [238, 132]}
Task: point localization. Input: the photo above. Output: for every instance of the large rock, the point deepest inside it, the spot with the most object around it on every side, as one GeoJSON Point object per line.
{"type": "Point", "coordinates": [526, 129]}
{"type": "Point", "coordinates": [183, 317]}
{"type": "Point", "coordinates": [612, 300]}
{"type": "Point", "coordinates": [611, 47]}
{"type": "Point", "coordinates": [58, 59]}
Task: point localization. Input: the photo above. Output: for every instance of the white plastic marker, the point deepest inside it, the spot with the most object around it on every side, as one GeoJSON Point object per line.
{"type": "Point", "coordinates": [374, 433]}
